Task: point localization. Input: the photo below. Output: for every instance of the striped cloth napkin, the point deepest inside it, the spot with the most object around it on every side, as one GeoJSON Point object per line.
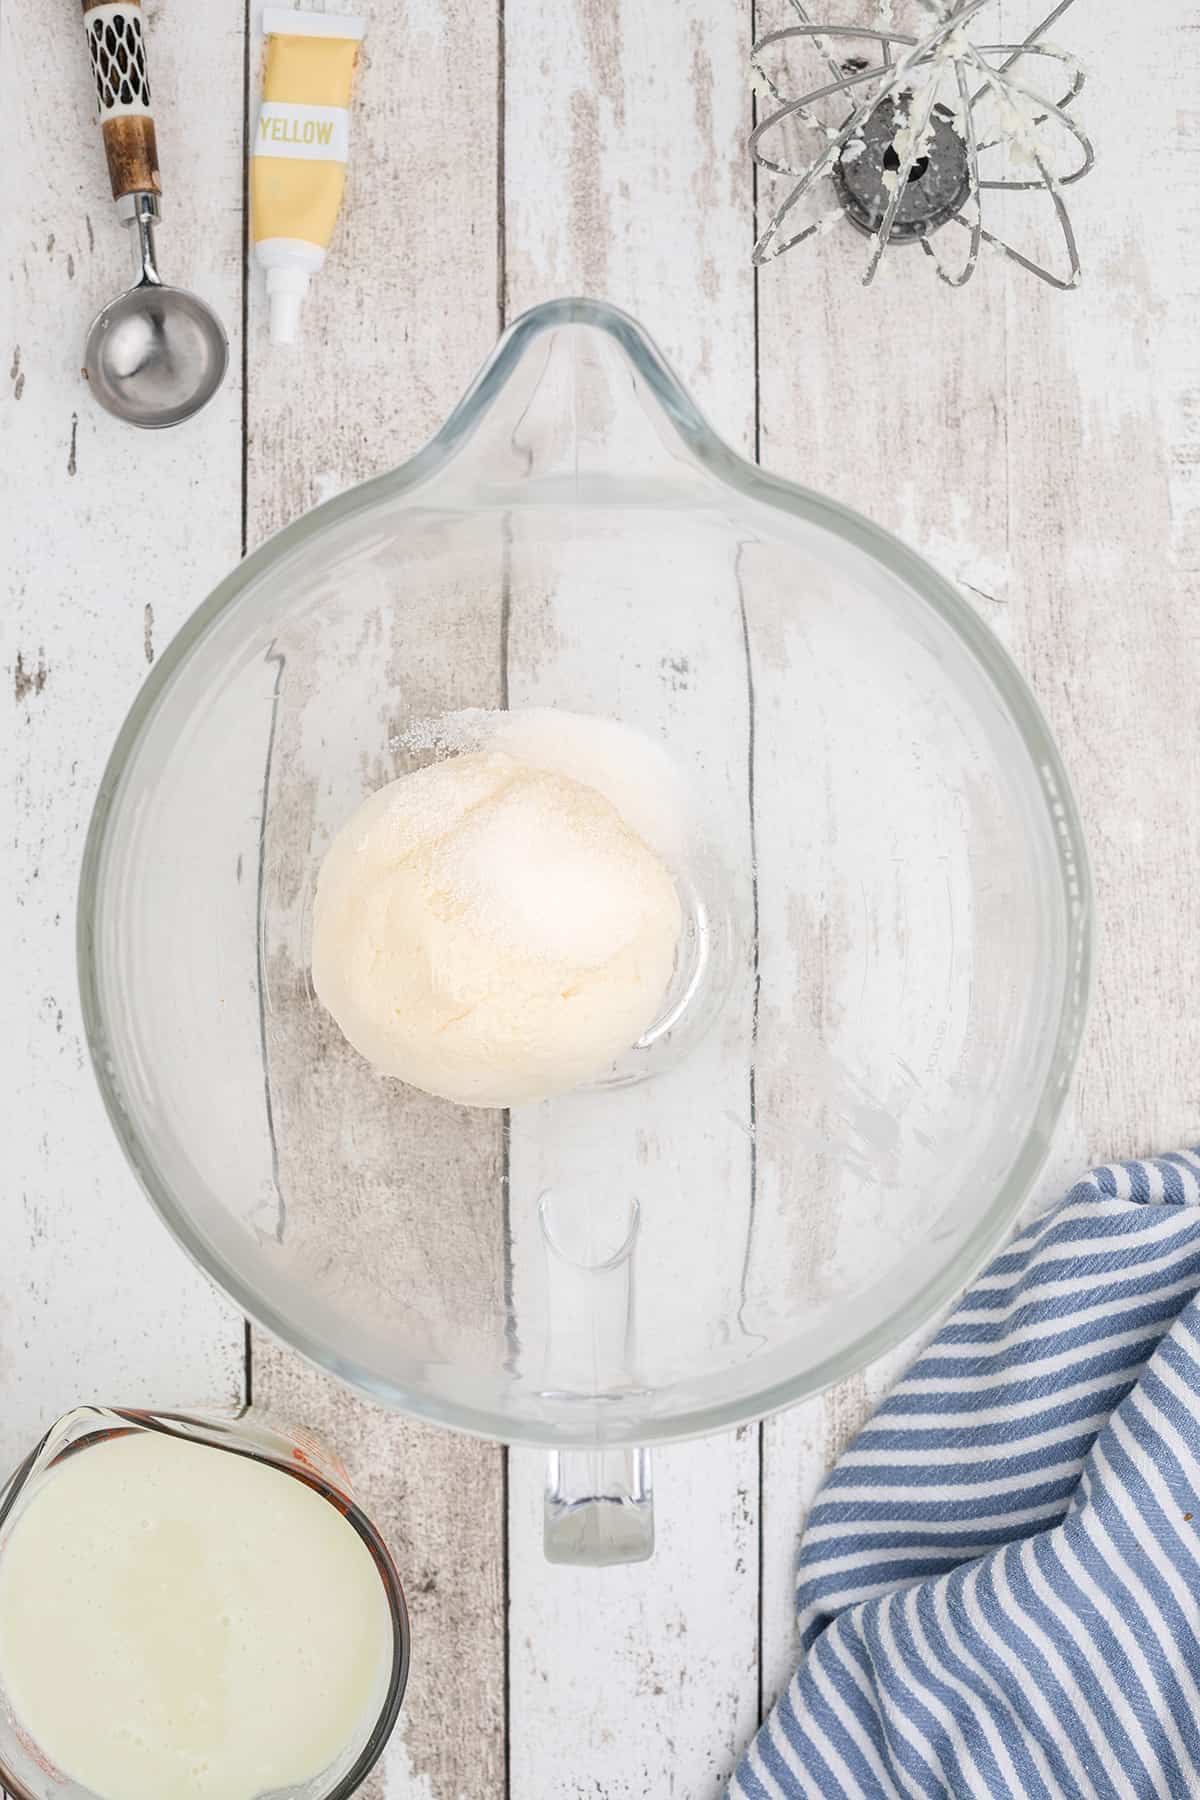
{"type": "Point", "coordinates": [999, 1586]}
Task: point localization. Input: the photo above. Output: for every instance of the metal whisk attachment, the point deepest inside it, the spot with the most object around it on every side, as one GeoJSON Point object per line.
{"type": "Point", "coordinates": [936, 122]}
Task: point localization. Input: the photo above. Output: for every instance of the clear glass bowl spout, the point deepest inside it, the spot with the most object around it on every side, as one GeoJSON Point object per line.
{"type": "Point", "coordinates": [905, 924]}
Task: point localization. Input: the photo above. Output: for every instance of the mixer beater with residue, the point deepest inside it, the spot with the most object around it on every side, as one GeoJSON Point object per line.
{"type": "Point", "coordinates": [937, 121]}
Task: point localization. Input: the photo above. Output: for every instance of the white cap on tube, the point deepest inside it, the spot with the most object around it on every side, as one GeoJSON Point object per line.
{"type": "Point", "coordinates": [286, 289]}
{"type": "Point", "coordinates": [290, 263]}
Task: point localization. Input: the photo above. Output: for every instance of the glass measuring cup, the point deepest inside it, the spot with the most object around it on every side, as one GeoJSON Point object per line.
{"type": "Point", "coordinates": [27, 1772]}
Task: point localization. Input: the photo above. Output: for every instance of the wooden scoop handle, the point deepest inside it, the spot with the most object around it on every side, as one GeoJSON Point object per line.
{"type": "Point", "coordinates": [118, 52]}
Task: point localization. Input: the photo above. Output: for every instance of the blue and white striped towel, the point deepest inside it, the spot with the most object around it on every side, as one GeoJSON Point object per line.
{"type": "Point", "coordinates": [999, 1585]}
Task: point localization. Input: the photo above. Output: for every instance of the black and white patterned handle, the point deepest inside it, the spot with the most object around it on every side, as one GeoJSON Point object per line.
{"type": "Point", "coordinates": [117, 47]}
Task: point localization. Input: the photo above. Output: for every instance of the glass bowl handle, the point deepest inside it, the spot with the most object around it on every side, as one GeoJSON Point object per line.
{"type": "Point", "coordinates": [599, 1507]}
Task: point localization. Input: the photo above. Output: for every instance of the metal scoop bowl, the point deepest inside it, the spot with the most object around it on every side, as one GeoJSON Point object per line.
{"type": "Point", "coordinates": [156, 354]}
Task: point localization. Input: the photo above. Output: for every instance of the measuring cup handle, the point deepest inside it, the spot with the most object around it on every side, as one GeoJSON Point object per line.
{"type": "Point", "coordinates": [599, 1507]}
{"type": "Point", "coordinates": [118, 52]}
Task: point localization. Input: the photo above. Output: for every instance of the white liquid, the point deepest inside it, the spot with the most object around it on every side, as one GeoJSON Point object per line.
{"type": "Point", "coordinates": [179, 1621]}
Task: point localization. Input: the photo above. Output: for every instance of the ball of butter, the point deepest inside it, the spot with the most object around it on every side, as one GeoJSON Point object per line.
{"type": "Point", "coordinates": [492, 932]}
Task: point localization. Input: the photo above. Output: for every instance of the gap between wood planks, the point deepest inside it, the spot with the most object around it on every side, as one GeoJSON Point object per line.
{"type": "Point", "coordinates": [757, 423]}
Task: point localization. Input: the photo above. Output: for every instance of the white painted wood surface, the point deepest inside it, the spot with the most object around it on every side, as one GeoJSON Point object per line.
{"type": "Point", "coordinates": [1042, 449]}
{"type": "Point", "coordinates": [382, 366]}
{"type": "Point", "coordinates": [109, 537]}
{"type": "Point", "coordinates": [1038, 449]}
{"type": "Point", "coordinates": [626, 177]}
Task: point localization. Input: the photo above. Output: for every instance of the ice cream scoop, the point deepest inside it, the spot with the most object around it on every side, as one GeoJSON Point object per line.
{"type": "Point", "coordinates": [156, 354]}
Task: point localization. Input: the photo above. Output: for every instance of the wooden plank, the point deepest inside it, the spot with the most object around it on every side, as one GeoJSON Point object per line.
{"type": "Point", "coordinates": [388, 1196]}
{"type": "Point", "coordinates": [587, 634]}
{"type": "Point", "coordinates": [882, 397]}
{"type": "Point", "coordinates": [626, 178]}
{"type": "Point", "coordinates": [642, 1678]}
{"type": "Point", "coordinates": [406, 307]}
{"type": "Point", "coordinates": [386, 353]}
{"type": "Point", "coordinates": [420, 1486]}
{"type": "Point", "coordinates": [1103, 542]}
{"type": "Point", "coordinates": [112, 537]}
{"type": "Point", "coordinates": [802, 1445]}
{"type": "Point", "coordinates": [1089, 577]}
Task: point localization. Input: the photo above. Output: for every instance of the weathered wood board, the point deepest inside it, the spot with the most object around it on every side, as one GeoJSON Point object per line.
{"type": "Point", "coordinates": [1041, 449]}
{"type": "Point", "coordinates": [111, 537]}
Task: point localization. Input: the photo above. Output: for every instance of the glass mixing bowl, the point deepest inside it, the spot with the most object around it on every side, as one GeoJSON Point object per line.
{"type": "Point", "coordinates": [880, 995]}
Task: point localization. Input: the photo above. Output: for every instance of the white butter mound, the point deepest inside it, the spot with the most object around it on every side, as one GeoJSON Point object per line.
{"type": "Point", "coordinates": [492, 932]}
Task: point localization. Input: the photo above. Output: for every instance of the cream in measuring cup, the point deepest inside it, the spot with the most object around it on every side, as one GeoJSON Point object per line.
{"type": "Point", "coordinates": [185, 1619]}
